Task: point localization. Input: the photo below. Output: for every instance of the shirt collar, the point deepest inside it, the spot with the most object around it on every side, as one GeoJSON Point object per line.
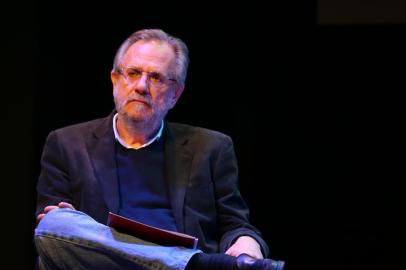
{"type": "Point", "coordinates": [123, 143]}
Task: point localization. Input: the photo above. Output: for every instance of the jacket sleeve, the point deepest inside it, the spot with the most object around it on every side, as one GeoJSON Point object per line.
{"type": "Point", "coordinates": [232, 210]}
{"type": "Point", "coordinates": [53, 184]}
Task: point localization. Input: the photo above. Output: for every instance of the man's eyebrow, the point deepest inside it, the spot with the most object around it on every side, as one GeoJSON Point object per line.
{"type": "Point", "coordinates": [144, 70]}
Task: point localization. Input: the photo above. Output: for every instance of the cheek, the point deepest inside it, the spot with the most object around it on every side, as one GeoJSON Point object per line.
{"type": "Point", "coordinates": [157, 97]}
{"type": "Point", "coordinates": [163, 97]}
{"type": "Point", "coordinates": [164, 103]}
{"type": "Point", "coordinates": [119, 93]}
{"type": "Point", "coordinates": [119, 98]}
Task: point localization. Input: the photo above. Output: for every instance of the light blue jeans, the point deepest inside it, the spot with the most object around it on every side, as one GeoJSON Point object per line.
{"type": "Point", "coordinates": [69, 239]}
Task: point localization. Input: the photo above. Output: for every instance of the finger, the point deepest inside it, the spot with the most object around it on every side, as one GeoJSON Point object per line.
{"type": "Point", "coordinates": [258, 255]}
{"type": "Point", "coordinates": [230, 252]}
{"type": "Point", "coordinates": [66, 205]}
{"type": "Point", "coordinates": [254, 254]}
{"type": "Point", "coordinates": [39, 217]}
{"type": "Point", "coordinates": [49, 208]}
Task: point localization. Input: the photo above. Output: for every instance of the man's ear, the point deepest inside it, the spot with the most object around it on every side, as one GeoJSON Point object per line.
{"type": "Point", "coordinates": [113, 77]}
{"type": "Point", "coordinates": [178, 92]}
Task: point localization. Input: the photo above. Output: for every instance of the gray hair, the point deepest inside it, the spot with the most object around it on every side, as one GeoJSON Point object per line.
{"type": "Point", "coordinates": [179, 47]}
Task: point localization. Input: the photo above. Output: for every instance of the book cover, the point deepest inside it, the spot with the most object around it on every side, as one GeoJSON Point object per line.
{"type": "Point", "coordinates": [150, 233]}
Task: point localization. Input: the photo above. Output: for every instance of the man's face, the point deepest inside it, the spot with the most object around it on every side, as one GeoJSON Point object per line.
{"type": "Point", "coordinates": [143, 91]}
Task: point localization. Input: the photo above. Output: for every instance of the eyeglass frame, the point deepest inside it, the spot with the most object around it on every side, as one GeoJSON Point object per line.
{"type": "Point", "coordinates": [159, 82]}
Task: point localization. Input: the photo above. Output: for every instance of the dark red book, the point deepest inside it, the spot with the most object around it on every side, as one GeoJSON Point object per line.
{"type": "Point", "coordinates": [150, 233]}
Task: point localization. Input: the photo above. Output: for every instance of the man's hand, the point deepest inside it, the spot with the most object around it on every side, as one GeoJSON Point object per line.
{"type": "Point", "coordinates": [245, 244]}
{"type": "Point", "coordinates": [52, 207]}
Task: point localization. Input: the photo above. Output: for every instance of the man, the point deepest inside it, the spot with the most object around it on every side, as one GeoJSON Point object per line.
{"type": "Point", "coordinates": [134, 163]}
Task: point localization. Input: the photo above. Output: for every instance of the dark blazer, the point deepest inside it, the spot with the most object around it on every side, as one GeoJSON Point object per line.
{"type": "Point", "coordinates": [78, 167]}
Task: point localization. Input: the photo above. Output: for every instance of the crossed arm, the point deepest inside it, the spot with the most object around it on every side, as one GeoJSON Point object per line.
{"type": "Point", "coordinates": [244, 244]}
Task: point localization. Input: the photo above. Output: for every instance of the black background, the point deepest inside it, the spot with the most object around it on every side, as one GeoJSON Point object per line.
{"type": "Point", "coordinates": [362, 11]}
{"type": "Point", "coordinates": [314, 109]}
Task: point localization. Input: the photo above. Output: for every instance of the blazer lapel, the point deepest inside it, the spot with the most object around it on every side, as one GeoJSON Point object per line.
{"type": "Point", "coordinates": [102, 154]}
{"type": "Point", "coordinates": [178, 161]}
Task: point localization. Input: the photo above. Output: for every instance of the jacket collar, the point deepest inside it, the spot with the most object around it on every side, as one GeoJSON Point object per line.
{"type": "Point", "coordinates": [102, 154]}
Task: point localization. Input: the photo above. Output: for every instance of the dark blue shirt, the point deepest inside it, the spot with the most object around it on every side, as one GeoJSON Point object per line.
{"type": "Point", "coordinates": [142, 186]}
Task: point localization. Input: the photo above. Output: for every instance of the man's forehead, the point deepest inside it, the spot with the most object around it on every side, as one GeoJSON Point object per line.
{"type": "Point", "coordinates": [152, 53]}
{"type": "Point", "coordinates": [151, 47]}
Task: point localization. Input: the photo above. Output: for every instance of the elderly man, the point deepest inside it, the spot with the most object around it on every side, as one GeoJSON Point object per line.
{"type": "Point", "coordinates": [136, 164]}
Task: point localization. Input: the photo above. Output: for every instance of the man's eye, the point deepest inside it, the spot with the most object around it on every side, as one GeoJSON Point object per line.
{"type": "Point", "coordinates": [133, 73]}
{"type": "Point", "coordinates": [155, 77]}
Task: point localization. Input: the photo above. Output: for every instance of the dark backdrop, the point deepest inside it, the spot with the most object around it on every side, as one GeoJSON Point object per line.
{"type": "Point", "coordinates": [314, 111]}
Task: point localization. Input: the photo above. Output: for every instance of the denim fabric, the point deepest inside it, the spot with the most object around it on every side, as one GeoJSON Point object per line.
{"type": "Point", "coordinates": [69, 239]}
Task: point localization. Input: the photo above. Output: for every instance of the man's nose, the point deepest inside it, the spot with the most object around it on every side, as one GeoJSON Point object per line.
{"type": "Point", "coordinates": [142, 84]}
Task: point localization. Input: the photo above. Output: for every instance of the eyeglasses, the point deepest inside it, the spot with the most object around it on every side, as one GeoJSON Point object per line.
{"type": "Point", "coordinates": [134, 74]}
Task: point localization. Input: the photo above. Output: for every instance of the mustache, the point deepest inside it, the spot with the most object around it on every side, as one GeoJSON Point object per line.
{"type": "Point", "coordinates": [135, 97]}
